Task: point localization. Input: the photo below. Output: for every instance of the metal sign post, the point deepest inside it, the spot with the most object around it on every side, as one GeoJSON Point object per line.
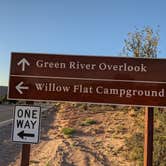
{"type": "Point", "coordinates": [25, 157]}
{"type": "Point", "coordinates": [26, 148]}
{"type": "Point", "coordinates": [148, 136]}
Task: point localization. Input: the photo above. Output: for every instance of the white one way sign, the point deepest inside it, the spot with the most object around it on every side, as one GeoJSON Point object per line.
{"type": "Point", "coordinates": [26, 124]}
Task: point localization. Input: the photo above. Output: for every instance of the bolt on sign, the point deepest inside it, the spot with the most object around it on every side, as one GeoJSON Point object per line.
{"type": "Point", "coordinates": [95, 79]}
{"type": "Point", "coordinates": [26, 124]}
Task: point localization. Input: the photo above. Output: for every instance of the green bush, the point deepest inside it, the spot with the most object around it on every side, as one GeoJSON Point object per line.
{"type": "Point", "coordinates": [88, 122]}
{"type": "Point", "coordinates": [68, 131]}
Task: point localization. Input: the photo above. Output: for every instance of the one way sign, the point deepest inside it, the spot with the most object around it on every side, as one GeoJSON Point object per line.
{"type": "Point", "coordinates": [26, 124]}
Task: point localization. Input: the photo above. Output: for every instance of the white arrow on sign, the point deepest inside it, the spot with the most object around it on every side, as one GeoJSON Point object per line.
{"type": "Point", "coordinates": [19, 87]}
{"type": "Point", "coordinates": [23, 62]}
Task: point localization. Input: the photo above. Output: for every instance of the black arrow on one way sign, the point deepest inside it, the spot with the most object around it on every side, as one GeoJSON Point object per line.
{"type": "Point", "coordinates": [22, 134]}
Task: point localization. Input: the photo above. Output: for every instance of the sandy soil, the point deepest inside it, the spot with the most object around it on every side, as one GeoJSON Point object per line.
{"type": "Point", "coordinates": [99, 144]}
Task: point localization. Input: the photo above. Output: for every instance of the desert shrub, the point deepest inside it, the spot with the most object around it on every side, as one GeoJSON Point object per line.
{"type": "Point", "coordinates": [68, 131]}
{"type": "Point", "coordinates": [159, 151]}
{"type": "Point", "coordinates": [88, 122]}
{"type": "Point", "coordinates": [159, 156]}
{"type": "Point", "coordinates": [135, 143]}
{"type": "Point", "coordinates": [135, 146]}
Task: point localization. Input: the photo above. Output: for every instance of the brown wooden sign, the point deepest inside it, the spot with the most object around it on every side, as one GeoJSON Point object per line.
{"type": "Point", "coordinates": [115, 80]}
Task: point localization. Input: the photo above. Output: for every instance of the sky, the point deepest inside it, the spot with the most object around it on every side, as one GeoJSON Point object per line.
{"type": "Point", "coordinates": [81, 27]}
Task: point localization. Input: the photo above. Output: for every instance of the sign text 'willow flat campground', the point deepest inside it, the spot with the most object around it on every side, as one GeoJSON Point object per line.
{"type": "Point", "coordinates": [112, 80]}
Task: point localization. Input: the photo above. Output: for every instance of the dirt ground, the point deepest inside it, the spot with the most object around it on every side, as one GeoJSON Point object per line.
{"type": "Point", "coordinates": [97, 144]}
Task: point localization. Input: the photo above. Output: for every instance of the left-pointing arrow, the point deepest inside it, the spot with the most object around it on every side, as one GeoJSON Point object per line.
{"type": "Point", "coordinates": [19, 87]}
{"type": "Point", "coordinates": [22, 134]}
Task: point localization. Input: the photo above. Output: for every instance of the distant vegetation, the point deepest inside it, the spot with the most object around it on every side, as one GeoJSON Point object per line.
{"type": "Point", "coordinates": [3, 100]}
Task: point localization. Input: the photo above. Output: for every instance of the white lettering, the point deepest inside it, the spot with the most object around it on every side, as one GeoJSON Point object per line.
{"type": "Point", "coordinates": [128, 93]}
{"type": "Point", "coordinates": [82, 89]}
{"type": "Point", "coordinates": [162, 93]}
{"type": "Point", "coordinates": [51, 65]}
{"type": "Point", "coordinates": [102, 66]}
{"type": "Point", "coordinates": [51, 87]}
{"type": "Point", "coordinates": [123, 67]}
{"type": "Point", "coordinates": [77, 65]}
